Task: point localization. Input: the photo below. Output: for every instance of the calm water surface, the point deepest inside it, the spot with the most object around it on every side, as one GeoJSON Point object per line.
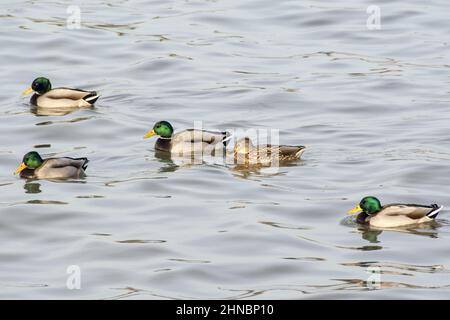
{"type": "Point", "coordinates": [372, 105]}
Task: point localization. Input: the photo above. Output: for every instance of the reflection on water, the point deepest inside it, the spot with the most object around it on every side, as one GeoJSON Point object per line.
{"type": "Point", "coordinates": [44, 123]}
{"type": "Point", "coordinates": [372, 234]}
{"type": "Point", "coordinates": [141, 241]}
{"type": "Point", "coordinates": [255, 172]}
{"type": "Point", "coordinates": [398, 266]}
{"type": "Point", "coordinates": [167, 162]}
{"type": "Point", "coordinates": [363, 285]}
{"type": "Point", "coordinates": [45, 202]}
{"type": "Point", "coordinates": [283, 226]}
{"type": "Point", "coordinates": [32, 187]}
{"type": "Point", "coordinates": [39, 111]}
{"type": "Point", "coordinates": [372, 104]}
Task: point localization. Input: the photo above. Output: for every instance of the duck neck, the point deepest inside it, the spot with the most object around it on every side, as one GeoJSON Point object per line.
{"type": "Point", "coordinates": [164, 144]}
{"type": "Point", "coordinates": [361, 218]}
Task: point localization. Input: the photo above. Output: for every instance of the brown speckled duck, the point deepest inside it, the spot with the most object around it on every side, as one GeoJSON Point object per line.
{"type": "Point", "coordinates": [265, 155]}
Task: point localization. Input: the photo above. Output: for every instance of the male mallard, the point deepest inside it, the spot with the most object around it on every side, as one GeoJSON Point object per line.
{"type": "Point", "coordinates": [393, 215]}
{"type": "Point", "coordinates": [187, 141]}
{"type": "Point", "coordinates": [265, 154]}
{"type": "Point", "coordinates": [46, 97]}
{"type": "Point", "coordinates": [34, 167]}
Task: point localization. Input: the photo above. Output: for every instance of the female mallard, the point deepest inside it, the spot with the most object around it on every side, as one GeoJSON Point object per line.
{"type": "Point", "coordinates": [46, 97]}
{"type": "Point", "coordinates": [247, 153]}
{"type": "Point", "coordinates": [187, 141]}
{"type": "Point", "coordinates": [34, 167]}
{"type": "Point", "coordinates": [393, 215]}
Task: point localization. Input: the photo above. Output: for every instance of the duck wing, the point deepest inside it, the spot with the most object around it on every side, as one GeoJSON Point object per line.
{"type": "Point", "coordinates": [293, 151]}
{"type": "Point", "coordinates": [68, 93]}
{"type": "Point", "coordinates": [204, 136]}
{"type": "Point", "coordinates": [65, 98]}
{"type": "Point", "coordinates": [79, 163]}
{"type": "Point", "coordinates": [61, 168]}
{"type": "Point", "coordinates": [283, 150]}
{"type": "Point", "coordinates": [412, 211]}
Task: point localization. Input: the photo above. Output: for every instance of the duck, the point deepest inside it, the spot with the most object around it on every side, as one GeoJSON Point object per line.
{"type": "Point", "coordinates": [34, 167]}
{"type": "Point", "coordinates": [46, 97]}
{"type": "Point", "coordinates": [245, 152]}
{"type": "Point", "coordinates": [372, 213]}
{"type": "Point", "coordinates": [188, 141]}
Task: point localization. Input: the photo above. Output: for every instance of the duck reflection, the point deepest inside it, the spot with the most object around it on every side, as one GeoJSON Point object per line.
{"type": "Point", "coordinates": [427, 230]}
{"type": "Point", "coordinates": [39, 111]}
{"type": "Point", "coordinates": [371, 284]}
{"type": "Point", "coordinates": [371, 234]}
{"type": "Point", "coordinates": [166, 159]}
{"type": "Point", "coordinates": [247, 172]}
{"type": "Point", "coordinates": [173, 162]}
{"type": "Point", "coordinates": [32, 187]}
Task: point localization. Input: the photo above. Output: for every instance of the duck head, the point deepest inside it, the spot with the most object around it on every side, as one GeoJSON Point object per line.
{"type": "Point", "coordinates": [369, 205]}
{"type": "Point", "coordinates": [162, 128]}
{"type": "Point", "coordinates": [32, 160]}
{"type": "Point", "coordinates": [40, 85]}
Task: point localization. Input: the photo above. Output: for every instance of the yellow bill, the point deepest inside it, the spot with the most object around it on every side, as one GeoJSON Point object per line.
{"type": "Point", "coordinates": [149, 134]}
{"type": "Point", "coordinates": [30, 89]}
{"type": "Point", "coordinates": [355, 210]}
{"type": "Point", "coordinates": [22, 167]}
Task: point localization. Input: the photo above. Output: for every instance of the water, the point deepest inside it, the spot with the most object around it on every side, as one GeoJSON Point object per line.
{"type": "Point", "coordinates": [372, 105]}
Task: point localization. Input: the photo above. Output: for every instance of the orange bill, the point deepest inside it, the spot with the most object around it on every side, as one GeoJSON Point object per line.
{"type": "Point", "coordinates": [22, 167]}
{"type": "Point", "coordinates": [149, 134]}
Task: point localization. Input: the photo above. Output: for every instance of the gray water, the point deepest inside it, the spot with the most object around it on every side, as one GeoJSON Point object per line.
{"type": "Point", "coordinates": [371, 105]}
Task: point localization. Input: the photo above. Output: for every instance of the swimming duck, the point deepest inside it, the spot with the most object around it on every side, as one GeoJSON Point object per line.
{"type": "Point", "coordinates": [393, 215]}
{"type": "Point", "coordinates": [247, 153]}
{"type": "Point", "coordinates": [46, 97]}
{"type": "Point", "coordinates": [34, 167]}
{"type": "Point", "coordinates": [187, 141]}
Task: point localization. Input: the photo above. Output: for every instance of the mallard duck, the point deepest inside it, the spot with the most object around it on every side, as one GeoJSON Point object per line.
{"type": "Point", "coordinates": [46, 97]}
{"type": "Point", "coordinates": [34, 167]}
{"type": "Point", "coordinates": [393, 215]}
{"type": "Point", "coordinates": [265, 154]}
{"type": "Point", "coordinates": [187, 141]}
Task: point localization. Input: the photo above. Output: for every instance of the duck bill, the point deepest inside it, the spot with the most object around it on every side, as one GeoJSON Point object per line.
{"type": "Point", "coordinates": [356, 209]}
{"type": "Point", "coordinates": [22, 167]}
{"type": "Point", "coordinates": [150, 134]}
{"type": "Point", "coordinates": [28, 91]}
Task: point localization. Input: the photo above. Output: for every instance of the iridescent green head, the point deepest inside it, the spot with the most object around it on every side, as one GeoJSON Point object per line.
{"type": "Point", "coordinates": [40, 85]}
{"type": "Point", "coordinates": [369, 205]}
{"type": "Point", "coordinates": [32, 160]}
{"type": "Point", "coordinates": [162, 128]}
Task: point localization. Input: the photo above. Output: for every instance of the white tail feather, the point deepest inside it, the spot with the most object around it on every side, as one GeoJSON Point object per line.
{"type": "Point", "coordinates": [300, 152]}
{"type": "Point", "coordinates": [227, 138]}
{"type": "Point", "coordinates": [92, 98]}
{"type": "Point", "coordinates": [434, 213]}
